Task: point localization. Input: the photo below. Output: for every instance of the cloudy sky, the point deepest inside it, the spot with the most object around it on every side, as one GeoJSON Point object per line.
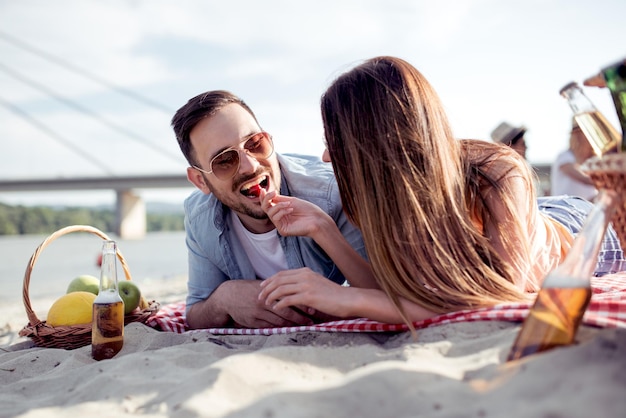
{"type": "Point", "coordinates": [88, 88]}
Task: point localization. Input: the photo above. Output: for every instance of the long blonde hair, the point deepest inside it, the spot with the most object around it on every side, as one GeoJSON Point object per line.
{"type": "Point", "coordinates": [411, 188]}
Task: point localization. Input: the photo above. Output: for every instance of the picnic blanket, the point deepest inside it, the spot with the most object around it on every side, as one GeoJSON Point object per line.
{"type": "Point", "coordinates": [607, 309]}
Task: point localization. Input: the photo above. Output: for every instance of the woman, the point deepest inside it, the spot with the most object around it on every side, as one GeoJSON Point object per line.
{"type": "Point", "coordinates": [447, 224]}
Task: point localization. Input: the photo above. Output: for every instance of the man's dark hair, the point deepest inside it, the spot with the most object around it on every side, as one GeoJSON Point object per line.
{"type": "Point", "coordinates": [197, 108]}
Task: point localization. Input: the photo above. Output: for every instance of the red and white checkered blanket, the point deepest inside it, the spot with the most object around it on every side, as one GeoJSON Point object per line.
{"type": "Point", "coordinates": [607, 309]}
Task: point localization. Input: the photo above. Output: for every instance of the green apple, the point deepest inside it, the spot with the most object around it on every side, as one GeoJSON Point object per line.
{"type": "Point", "coordinates": [130, 294]}
{"type": "Point", "coordinates": [84, 283]}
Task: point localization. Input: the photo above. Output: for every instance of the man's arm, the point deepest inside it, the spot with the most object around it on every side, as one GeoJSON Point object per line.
{"type": "Point", "coordinates": [236, 303]}
{"type": "Point", "coordinates": [209, 313]}
{"type": "Point", "coordinates": [216, 300]}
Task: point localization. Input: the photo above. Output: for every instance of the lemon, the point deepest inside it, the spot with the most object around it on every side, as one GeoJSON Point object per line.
{"type": "Point", "coordinates": [71, 309]}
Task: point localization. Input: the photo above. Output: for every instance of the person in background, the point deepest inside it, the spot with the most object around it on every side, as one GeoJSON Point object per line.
{"type": "Point", "coordinates": [566, 176]}
{"type": "Point", "coordinates": [232, 243]}
{"type": "Point", "coordinates": [512, 136]}
{"type": "Point", "coordinates": [448, 224]}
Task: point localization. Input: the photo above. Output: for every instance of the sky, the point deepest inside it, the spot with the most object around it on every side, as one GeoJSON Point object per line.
{"type": "Point", "coordinates": [88, 88]}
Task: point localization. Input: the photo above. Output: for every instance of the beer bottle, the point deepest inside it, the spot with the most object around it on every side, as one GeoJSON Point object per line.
{"type": "Point", "coordinates": [602, 136]}
{"type": "Point", "coordinates": [554, 318]}
{"type": "Point", "coordinates": [107, 332]}
{"type": "Point", "coordinates": [615, 77]}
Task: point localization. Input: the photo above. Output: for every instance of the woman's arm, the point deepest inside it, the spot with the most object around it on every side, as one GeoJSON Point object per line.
{"type": "Point", "coordinates": [303, 287]}
{"type": "Point", "coordinates": [297, 217]}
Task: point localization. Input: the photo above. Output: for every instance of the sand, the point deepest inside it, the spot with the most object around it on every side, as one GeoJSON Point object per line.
{"type": "Point", "coordinates": [454, 370]}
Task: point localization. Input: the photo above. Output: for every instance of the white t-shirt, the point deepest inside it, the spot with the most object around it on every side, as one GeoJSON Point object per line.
{"type": "Point", "coordinates": [264, 250]}
{"type": "Point", "coordinates": [564, 184]}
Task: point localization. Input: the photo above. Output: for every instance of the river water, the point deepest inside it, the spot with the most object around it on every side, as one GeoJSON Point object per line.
{"type": "Point", "coordinates": [158, 256]}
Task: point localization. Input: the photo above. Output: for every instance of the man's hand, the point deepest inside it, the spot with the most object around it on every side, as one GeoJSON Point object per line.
{"type": "Point", "coordinates": [239, 301]}
{"type": "Point", "coordinates": [595, 81]}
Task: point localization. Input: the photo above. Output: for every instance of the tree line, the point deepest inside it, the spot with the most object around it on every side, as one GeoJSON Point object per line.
{"type": "Point", "coordinates": [21, 220]}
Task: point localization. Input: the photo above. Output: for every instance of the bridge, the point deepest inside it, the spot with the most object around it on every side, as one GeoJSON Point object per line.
{"type": "Point", "coordinates": [130, 210]}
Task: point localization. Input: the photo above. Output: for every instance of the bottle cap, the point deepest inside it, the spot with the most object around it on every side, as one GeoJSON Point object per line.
{"type": "Point", "coordinates": [567, 87]}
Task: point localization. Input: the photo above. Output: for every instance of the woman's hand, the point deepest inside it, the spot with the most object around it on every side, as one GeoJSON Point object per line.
{"type": "Point", "coordinates": [293, 216]}
{"type": "Point", "coordinates": [308, 290]}
{"type": "Point", "coordinates": [297, 217]}
{"type": "Point", "coordinates": [304, 287]}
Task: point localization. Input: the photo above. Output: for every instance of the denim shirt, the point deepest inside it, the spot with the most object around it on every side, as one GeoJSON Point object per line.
{"type": "Point", "coordinates": [216, 255]}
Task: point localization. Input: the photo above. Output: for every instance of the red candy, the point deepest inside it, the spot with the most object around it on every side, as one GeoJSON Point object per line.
{"type": "Point", "coordinates": [255, 191]}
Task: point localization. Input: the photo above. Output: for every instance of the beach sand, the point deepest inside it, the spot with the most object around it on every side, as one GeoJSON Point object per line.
{"type": "Point", "coordinates": [454, 370]}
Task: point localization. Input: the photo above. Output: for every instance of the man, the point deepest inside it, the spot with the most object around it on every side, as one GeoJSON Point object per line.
{"type": "Point", "coordinates": [232, 243]}
{"type": "Point", "coordinates": [512, 136]}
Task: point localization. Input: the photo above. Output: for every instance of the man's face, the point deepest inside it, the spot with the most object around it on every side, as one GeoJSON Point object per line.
{"type": "Point", "coordinates": [520, 147]}
{"type": "Point", "coordinates": [227, 129]}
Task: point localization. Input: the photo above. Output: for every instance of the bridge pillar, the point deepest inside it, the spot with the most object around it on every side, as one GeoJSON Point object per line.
{"type": "Point", "coordinates": [130, 213]}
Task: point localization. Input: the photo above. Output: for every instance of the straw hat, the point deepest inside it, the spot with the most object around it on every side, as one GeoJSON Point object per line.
{"type": "Point", "coordinates": [507, 134]}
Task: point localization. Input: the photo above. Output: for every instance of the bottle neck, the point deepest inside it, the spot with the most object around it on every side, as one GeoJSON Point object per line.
{"type": "Point", "coordinates": [108, 272]}
{"type": "Point", "coordinates": [577, 100]}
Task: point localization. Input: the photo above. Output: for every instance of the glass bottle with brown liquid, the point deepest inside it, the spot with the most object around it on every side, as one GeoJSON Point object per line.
{"type": "Point", "coordinates": [603, 137]}
{"type": "Point", "coordinates": [107, 333]}
{"type": "Point", "coordinates": [555, 317]}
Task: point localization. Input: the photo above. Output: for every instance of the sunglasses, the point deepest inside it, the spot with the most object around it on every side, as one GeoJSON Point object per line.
{"type": "Point", "coordinates": [226, 164]}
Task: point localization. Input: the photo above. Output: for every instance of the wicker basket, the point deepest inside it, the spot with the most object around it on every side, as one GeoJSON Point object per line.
{"type": "Point", "coordinates": [609, 173]}
{"type": "Point", "coordinates": [72, 336]}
